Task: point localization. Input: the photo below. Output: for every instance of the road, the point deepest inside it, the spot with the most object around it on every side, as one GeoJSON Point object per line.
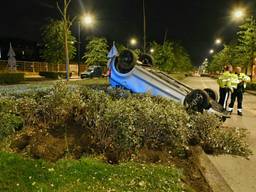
{"type": "Point", "coordinates": [239, 173]}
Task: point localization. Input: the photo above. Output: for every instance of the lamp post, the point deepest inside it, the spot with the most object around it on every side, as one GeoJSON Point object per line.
{"type": "Point", "coordinates": [79, 47]}
{"type": "Point", "coordinates": [144, 28]}
{"type": "Point", "coordinates": [87, 20]}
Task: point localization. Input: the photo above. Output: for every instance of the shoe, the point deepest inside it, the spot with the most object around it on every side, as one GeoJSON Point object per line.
{"type": "Point", "coordinates": [239, 113]}
{"type": "Point", "coordinates": [230, 110]}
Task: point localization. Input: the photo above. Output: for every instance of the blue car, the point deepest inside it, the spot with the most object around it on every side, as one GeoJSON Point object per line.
{"type": "Point", "coordinates": [138, 76]}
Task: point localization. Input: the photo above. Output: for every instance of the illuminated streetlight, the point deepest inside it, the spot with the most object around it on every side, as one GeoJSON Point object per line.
{"type": "Point", "coordinates": [218, 41]}
{"type": "Point", "coordinates": [87, 20]}
{"type": "Point", "coordinates": [152, 50]}
{"type": "Point", "coordinates": [238, 14]}
{"type": "Point", "coordinates": [211, 51]}
{"type": "Point", "coordinates": [133, 41]}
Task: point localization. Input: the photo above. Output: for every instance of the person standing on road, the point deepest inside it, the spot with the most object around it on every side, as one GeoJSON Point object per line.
{"type": "Point", "coordinates": [239, 87]}
{"type": "Point", "coordinates": [224, 82]}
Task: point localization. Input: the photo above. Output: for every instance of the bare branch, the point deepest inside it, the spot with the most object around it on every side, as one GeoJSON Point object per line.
{"type": "Point", "coordinates": [69, 1]}
{"type": "Point", "coordinates": [61, 12]}
{"type": "Point", "coordinates": [71, 22]}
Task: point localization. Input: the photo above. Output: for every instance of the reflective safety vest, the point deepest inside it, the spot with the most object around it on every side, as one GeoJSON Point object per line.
{"type": "Point", "coordinates": [243, 79]}
{"type": "Point", "coordinates": [234, 80]}
{"type": "Point", "coordinates": [224, 81]}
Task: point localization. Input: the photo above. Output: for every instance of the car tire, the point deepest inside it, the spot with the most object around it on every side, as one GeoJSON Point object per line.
{"type": "Point", "coordinates": [126, 61]}
{"type": "Point", "coordinates": [146, 59]}
{"type": "Point", "coordinates": [197, 100]}
{"type": "Point", "coordinates": [212, 94]}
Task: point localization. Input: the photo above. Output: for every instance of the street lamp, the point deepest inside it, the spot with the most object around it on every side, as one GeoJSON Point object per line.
{"type": "Point", "coordinates": [211, 51]}
{"type": "Point", "coordinates": [88, 21]}
{"type": "Point", "coordinates": [218, 41]}
{"type": "Point", "coordinates": [238, 14]}
{"type": "Point", "coordinates": [133, 41]}
{"type": "Point", "coordinates": [152, 50]}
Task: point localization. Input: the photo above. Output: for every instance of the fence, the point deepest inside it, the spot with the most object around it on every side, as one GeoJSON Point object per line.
{"type": "Point", "coordinates": [35, 66]}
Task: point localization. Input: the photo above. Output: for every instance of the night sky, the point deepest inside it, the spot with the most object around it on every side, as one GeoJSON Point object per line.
{"type": "Point", "coordinates": [193, 23]}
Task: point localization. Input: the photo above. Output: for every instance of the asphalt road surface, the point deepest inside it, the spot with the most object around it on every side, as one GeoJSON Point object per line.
{"type": "Point", "coordinates": [239, 173]}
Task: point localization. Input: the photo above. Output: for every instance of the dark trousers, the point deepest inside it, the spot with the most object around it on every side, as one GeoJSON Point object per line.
{"type": "Point", "coordinates": [224, 95]}
{"type": "Point", "coordinates": [238, 93]}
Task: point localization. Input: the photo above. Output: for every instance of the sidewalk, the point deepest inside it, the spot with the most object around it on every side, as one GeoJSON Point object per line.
{"type": "Point", "coordinates": [239, 173]}
{"type": "Point", "coordinates": [251, 92]}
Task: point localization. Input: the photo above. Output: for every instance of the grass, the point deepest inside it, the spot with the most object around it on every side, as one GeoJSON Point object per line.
{"type": "Point", "coordinates": [44, 85]}
{"type": "Point", "coordinates": [94, 81]}
{"type": "Point", "coordinates": [88, 174]}
{"type": "Point", "coordinates": [178, 76]}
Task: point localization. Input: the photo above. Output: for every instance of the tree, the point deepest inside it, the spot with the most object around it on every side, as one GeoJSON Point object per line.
{"type": "Point", "coordinates": [66, 26]}
{"type": "Point", "coordinates": [182, 59]}
{"type": "Point", "coordinates": [163, 55]}
{"type": "Point", "coordinates": [96, 51]}
{"type": "Point", "coordinates": [222, 58]}
{"type": "Point", "coordinates": [171, 57]}
{"type": "Point", "coordinates": [53, 39]}
{"type": "Point", "coordinates": [120, 47]}
{"type": "Point", "coordinates": [229, 55]}
{"type": "Point", "coordinates": [247, 43]}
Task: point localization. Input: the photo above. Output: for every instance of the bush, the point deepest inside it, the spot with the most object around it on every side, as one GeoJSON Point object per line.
{"type": "Point", "coordinates": [251, 86]}
{"type": "Point", "coordinates": [54, 75]}
{"type": "Point", "coordinates": [119, 124]}
{"type": "Point", "coordinates": [206, 130]}
{"type": "Point", "coordinates": [9, 123]}
{"type": "Point", "coordinates": [9, 120]}
{"type": "Point", "coordinates": [11, 78]}
{"type": "Point", "coordinates": [145, 122]}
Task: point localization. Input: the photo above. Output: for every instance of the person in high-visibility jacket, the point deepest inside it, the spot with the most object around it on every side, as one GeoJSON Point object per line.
{"type": "Point", "coordinates": [224, 82]}
{"type": "Point", "coordinates": [239, 85]}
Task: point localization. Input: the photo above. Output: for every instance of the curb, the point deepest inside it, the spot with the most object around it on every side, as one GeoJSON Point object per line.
{"type": "Point", "coordinates": [250, 92]}
{"type": "Point", "coordinates": [212, 176]}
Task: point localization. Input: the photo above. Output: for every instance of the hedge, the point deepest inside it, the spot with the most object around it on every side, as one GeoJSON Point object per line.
{"type": "Point", "coordinates": [54, 75]}
{"type": "Point", "coordinates": [11, 77]}
{"type": "Point", "coordinates": [251, 86]}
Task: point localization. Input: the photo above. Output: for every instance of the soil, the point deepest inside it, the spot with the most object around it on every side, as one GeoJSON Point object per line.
{"type": "Point", "coordinates": [52, 145]}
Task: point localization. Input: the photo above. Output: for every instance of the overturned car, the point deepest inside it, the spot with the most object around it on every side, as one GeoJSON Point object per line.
{"type": "Point", "coordinates": [138, 76]}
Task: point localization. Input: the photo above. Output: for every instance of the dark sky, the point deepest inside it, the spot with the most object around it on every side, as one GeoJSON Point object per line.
{"type": "Point", "coordinates": [193, 23]}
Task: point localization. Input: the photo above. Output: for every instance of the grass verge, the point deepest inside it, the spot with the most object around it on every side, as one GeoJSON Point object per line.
{"type": "Point", "coordinates": [88, 174]}
{"type": "Point", "coordinates": [178, 76]}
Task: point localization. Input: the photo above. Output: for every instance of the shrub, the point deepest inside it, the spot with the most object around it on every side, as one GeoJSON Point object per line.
{"type": "Point", "coordinates": [141, 121]}
{"type": "Point", "coordinates": [251, 86]}
{"type": "Point", "coordinates": [54, 75]}
{"type": "Point", "coordinates": [9, 120]}
{"type": "Point", "coordinates": [11, 78]}
{"type": "Point", "coordinates": [206, 130]}
{"type": "Point", "coordinates": [9, 123]}
{"type": "Point", "coordinates": [119, 124]}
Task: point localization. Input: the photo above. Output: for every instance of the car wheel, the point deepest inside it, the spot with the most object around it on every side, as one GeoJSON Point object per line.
{"type": "Point", "coordinates": [146, 59]}
{"type": "Point", "coordinates": [212, 94]}
{"type": "Point", "coordinates": [125, 62]}
{"type": "Point", "coordinates": [197, 100]}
